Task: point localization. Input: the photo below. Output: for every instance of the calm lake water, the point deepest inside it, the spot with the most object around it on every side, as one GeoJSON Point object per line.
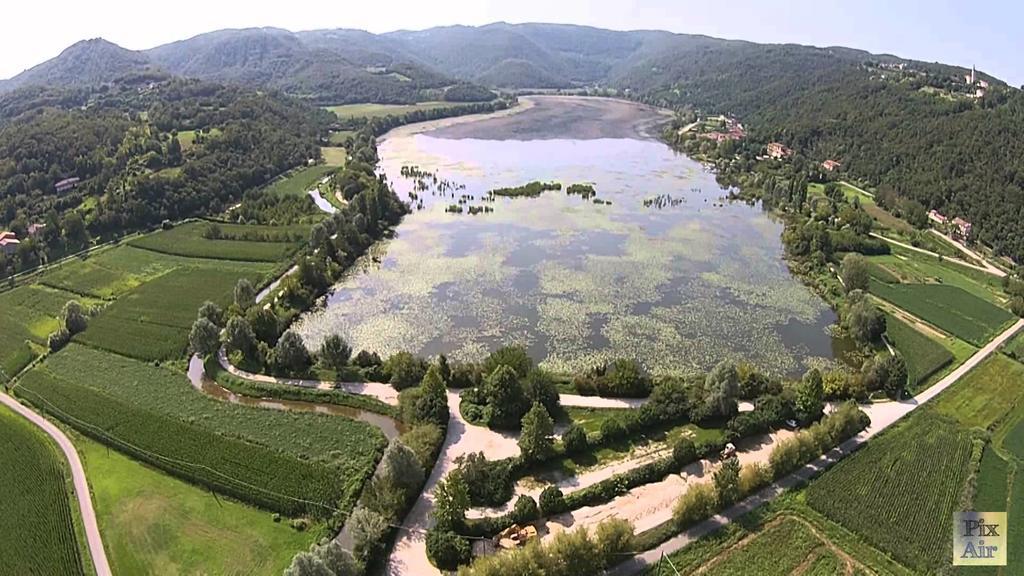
{"type": "Point", "coordinates": [678, 285]}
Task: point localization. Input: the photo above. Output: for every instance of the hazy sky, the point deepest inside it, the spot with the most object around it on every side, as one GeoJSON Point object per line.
{"type": "Point", "coordinates": [986, 33]}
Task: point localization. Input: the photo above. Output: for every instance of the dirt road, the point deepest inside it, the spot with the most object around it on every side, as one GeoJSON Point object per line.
{"type": "Point", "coordinates": [82, 494]}
{"type": "Point", "coordinates": [883, 415]}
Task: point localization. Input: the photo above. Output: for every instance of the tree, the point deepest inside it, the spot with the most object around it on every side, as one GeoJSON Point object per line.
{"type": "Point", "coordinates": [727, 482]}
{"type": "Point", "coordinates": [432, 404]}
{"type": "Point", "coordinates": [73, 317]}
{"type": "Point", "coordinates": [58, 339]}
{"type": "Point", "coordinates": [539, 386]}
{"type": "Point", "coordinates": [204, 338]}
{"type": "Point", "coordinates": [290, 353]}
{"type": "Point", "coordinates": [855, 272]}
{"type": "Point", "coordinates": [447, 550]}
{"type": "Point", "coordinates": [896, 375]}
{"type": "Point", "coordinates": [264, 324]}
{"type": "Point", "coordinates": [535, 441]}
{"type": "Point", "coordinates": [245, 295]}
{"type": "Point", "coordinates": [445, 369]}
{"type": "Point", "coordinates": [525, 510]}
{"type": "Point", "coordinates": [406, 371]}
{"type": "Point", "coordinates": [574, 439]}
{"type": "Point", "coordinates": [515, 357]}
{"type": "Point", "coordinates": [398, 478]}
{"type": "Point", "coordinates": [211, 312]}
{"type": "Point", "coordinates": [335, 353]}
{"type": "Point", "coordinates": [865, 322]}
{"type": "Point", "coordinates": [238, 336]}
{"type": "Point", "coordinates": [810, 396]}
{"type": "Point", "coordinates": [614, 538]}
{"type": "Point", "coordinates": [336, 558]}
{"type": "Point", "coordinates": [721, 388]}
{"type": "Point", "coordinates": [307, 564]}
{"type": "Point", "coordinates": [369, 533]}
{"type": "Point", "coordinates": [451, 500]}
{"type": "Point", "coordinates": [75, 233]}
{"type": "Point", "coordinates": [552, 501]}
{"type": "Point", "coordinates": [505, 398]}
{"type": "Point", "coordinates": [625, 377]}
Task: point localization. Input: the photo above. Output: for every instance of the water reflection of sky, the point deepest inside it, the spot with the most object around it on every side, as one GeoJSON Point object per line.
{"type": "Point", "coordinates": [678, 288]}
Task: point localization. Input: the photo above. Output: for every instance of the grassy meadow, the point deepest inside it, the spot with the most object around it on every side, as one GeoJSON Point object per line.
{"type": "Point", "coordinates": [376, 110]}
{"type": "Point", "coordinates": [153, 523]}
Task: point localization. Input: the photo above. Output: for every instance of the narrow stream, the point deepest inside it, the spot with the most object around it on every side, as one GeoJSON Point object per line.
{"type": "Point", "coordinates": [197, 375]}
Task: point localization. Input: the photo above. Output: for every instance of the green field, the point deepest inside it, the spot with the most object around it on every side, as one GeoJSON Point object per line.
{"type": "Point", "coordinates": [236, 242]}
{"type": "Point", "coordinates": [906, 482]}
{"type": "Point", "coordinates": [948, 307]}
{"type": "Point", "coordinates": [153, 523]}
{"type": "Point", "coordinates": [37, 525]}
{"type": "Point", "coordinates": [884, 219]}
{"type": "Point", "coordinates": [111, 272]}
{"type": "Point", "coordinates": [377, 110]}
{"type": "Point", "coordinates": [776, 551]}
{"type": "Point", "coordinates": [334, 155]}
{"type": "Point", "coordinates": [300, 181]}
{"type": "Point", "coordinates": [986, 394]}
{"type": "Point", "coordinates": [28, 314]}
{"type": "Point", "coordinates": [1015, 347]}
{"type": "Point", "coordinates": [155, 415]}
{"type": "Point", "coordinates": [992, 488]}
{"type": "Point", "coordinates": [924, 356]}
{"type": "Point", "coordinates": [911, 267]}
{"type": "Point", "coordinates": [152, 321]}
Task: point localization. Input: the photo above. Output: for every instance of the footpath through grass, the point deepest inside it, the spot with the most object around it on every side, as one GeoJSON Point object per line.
{"type": "Point", "coordinates": [155, 524]}
{"type": "Point", "coordinates": [37, 526]}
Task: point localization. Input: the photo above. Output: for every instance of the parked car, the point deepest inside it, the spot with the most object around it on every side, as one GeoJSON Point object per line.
{"type": "Point", "coordinates": [792, 424]}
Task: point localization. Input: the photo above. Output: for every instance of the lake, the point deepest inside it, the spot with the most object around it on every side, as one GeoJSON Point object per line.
{"type": "Point", "coordinates": [668, 273]}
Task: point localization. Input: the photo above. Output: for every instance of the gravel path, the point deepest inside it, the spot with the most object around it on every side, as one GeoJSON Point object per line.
{"type": "Point", "coordinates": [986, 268]}
{"type": "Point", "coordinates": [883, 415]}
{"type": "Point", "coordinates": [84, 497]}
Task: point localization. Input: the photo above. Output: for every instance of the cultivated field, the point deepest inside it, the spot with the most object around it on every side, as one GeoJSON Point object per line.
{"type": "Point", "coordinates": [153, 522]}
{"type": "Point", "coordinates": [301, 180]}
{"type": "Point", "coordinates": [376, 110]}
{"type": "Point", "coordinates": [153, 414]}
{"type": "Point", "coordinates": [27, 316]}
{"type": "Point", "coordinates": [986, 394]}
{"type": "Point", "coordinates": [37, 527]}
{"type": "Point", "coordinates": [152, 321]}
{"type": "Point", "coordinates": [948, 307]}
{"type": "Point", "coordinates": [907, 482]}
{"type": "Point", "coordinates": [924, 355]}
{"type": "Point", "coordinates": [219, 241]}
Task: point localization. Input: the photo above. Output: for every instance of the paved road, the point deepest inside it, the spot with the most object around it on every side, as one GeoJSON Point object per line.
{"type": "Point", "coordinates": [883, 415]}
{"type": "Point", "coordinates": [989, 268]}
{"type": "Point", "coordinates": [92, 531]}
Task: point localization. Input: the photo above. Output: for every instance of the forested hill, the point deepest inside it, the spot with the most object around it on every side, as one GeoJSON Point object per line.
{"type": "Point", "coordinates": [142, 154]}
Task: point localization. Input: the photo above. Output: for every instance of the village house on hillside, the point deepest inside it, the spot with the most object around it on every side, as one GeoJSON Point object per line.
{"type": "Point", "coordinates": [831, 165]}
{"type": "Point", "coordinates": [957, 228]}
{"type": "Point", "coordinates": [778, 150]}
{"type": "Point", "coordinates": [9, 243]}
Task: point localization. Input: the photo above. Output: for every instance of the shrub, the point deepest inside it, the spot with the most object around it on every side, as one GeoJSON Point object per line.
{"type": "Point", "coordinates": [432, 404]}
{"type": "Point", "coordinates": [58, 339]}
{"type": "Point", "coordinates": [369, 533]}
{"type": "Point", "coordinates": [73, 317]}
{"type": "Point", "coordinates": [537, 429]}
{"type": "Point", "coordinates": [465, 375]}
{"type": "Point", "coordinates": [753, 477]}
{"type": "Point", "coordinates": [525, 510]}
{"type": "Point", "coordinates": [684, 452]}
{"type": "Point", "coordinates": [505, 398]}
{"type": "Point", "coordinates": [699, 502]}
{"type": "Point", "coordinates": [612, 429]}
{"type": "Point", "coordinates": [552, 501]}
{"type": "Point", "coordinates": [727, 482]}
{"type": "Point", "coordinates": [424, 440]}
{"type": "Point", "coordinates": [447, 550]}
{"type": "Point", "coordinates": [366, 359]}
{"type": "Point", "coordinates": [614, 539]}
{"type": "Point", "coordinates": [489, 482]}
{"type": "Point", "coordinates": [575, 439]}
{"type": "Point", "coordinates": [539, 386]}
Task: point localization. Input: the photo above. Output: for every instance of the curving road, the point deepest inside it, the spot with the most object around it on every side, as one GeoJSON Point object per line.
{"type": "Point", "coordinates": [92, 531]}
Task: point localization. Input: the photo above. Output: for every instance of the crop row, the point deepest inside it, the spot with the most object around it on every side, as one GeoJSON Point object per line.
{"type": "Point", "coordinates": [899, 492]}
{"type": "Point", "coordinates": [251, 473]}
{"type": "Point", "coordinates": [924, 356]}
{"type": "Point", "coordinates": [950, 308]}
{"type": "Point", "coordinates": [778, 550]}
{"type": "Point", "coordinates": [152, 321]}
{"type": "Point", "coordinates": [37, 531]}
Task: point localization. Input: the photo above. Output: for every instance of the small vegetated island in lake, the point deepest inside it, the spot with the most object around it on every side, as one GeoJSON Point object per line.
{"type": "Point", "coordinates": [529, 190]}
